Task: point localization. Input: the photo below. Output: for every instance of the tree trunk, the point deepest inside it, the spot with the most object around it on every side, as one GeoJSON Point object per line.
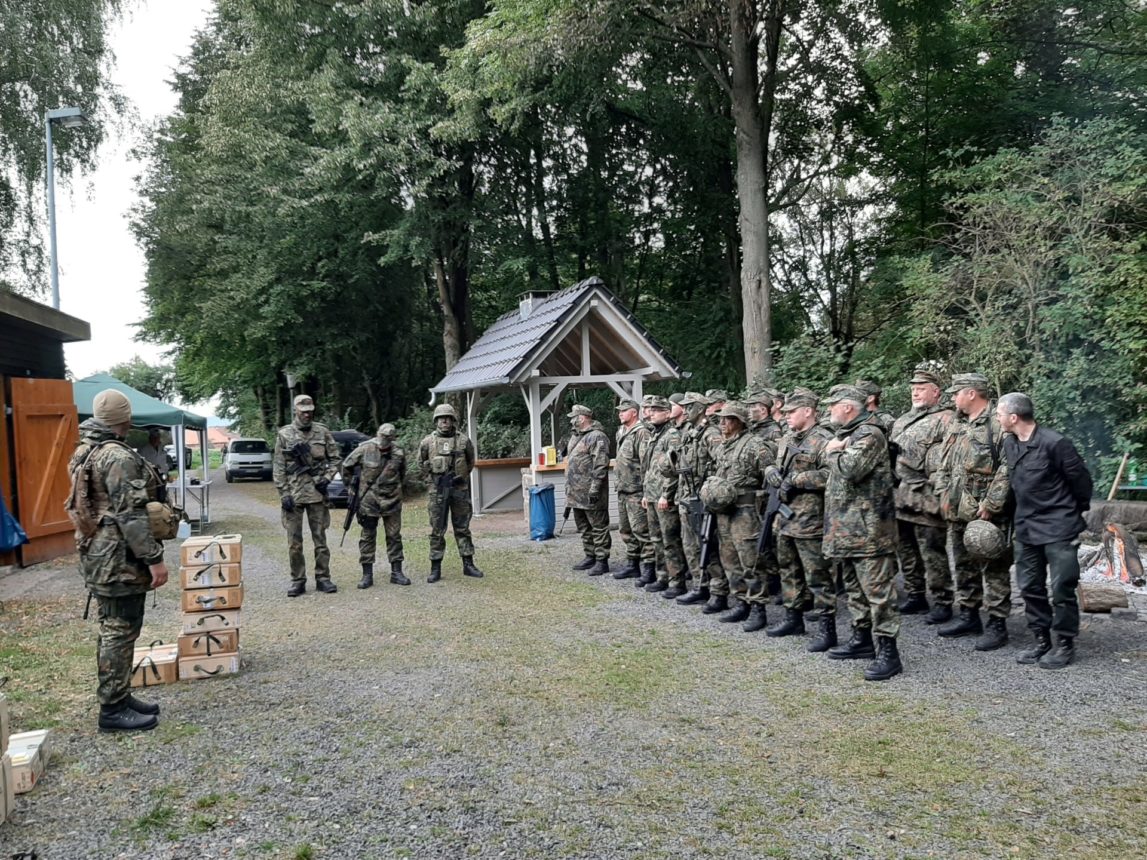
{"type": "Point", "coordinates": [451, 325]}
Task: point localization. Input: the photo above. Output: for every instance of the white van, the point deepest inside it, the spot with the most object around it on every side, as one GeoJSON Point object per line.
{"type": "Point", "coordinates": [247, 458]}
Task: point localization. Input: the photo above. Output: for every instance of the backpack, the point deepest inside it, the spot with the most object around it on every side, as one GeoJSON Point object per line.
{"type": "Point", "coordinates": [79, 505]}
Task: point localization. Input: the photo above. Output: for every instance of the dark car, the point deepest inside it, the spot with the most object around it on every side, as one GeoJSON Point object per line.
{"type": "Point", "coordinates": [347, 441]}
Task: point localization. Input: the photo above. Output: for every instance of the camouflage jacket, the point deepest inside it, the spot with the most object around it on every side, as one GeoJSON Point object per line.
{"type": "Point", "coordinates": [659, 475]}
{"type": "Point", "coordinates": [380, 481]}
{"type": "Point", "coordinates": [972, 469]}
{"type": "Point", "coordinates": [439, 454]}
{"type": "Point", "coordinates": [883, 420]}
{"type": "Point", "coordinates": [917, 438]}
{"type": "Point", "coordinates": [742, 460]}
{"type": "Point", "coordinates": [767, 430]}
{"type": "Point", "coordinates": [293, 476]}
{"type": "Point", "coordinates": [115, 562]}
{"type": "Point", "coordinates": [587, 469]}
{"type": "Point", "coordinates": [698, 457]}
{"type": "Point", "coordinates": [631, 444]}
{"type": "Point", "coordinates": [801, 458]}
{"type": "Point", "coordinates": [859, 514]}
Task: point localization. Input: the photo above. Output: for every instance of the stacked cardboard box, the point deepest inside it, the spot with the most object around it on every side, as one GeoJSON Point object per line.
{"type": "Point", "coordinates": [211, 578]}
{"type": "Point", "coordinates": [28, 753]}
{"type": "Point", "coordinates": [154, 664]}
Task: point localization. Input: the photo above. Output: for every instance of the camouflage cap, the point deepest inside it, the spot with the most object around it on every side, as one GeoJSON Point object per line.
{"type": "Point", "coordinates": [387, 430]}
{"type": "Point", "coordinates": [799, 398]}
{"type": "Point", "coordinates": [775, 393]}
{"type": "Point", "coordinates": [928, 372]}
{"type": "Point", "coordinates": [656, 401]}
{"type": "Point", "coordinates": [733, 409]}
{"type": "Point", "coordinates": [676, 397]}
{"type": "Point", "coordinates": [693, 398]}
{"type": "Point", "coordinates": [845, 392]}
{"type": "Point", "coordinates": [646, 399]}
{"type": "Point", "coordinates": [578, 409]}
{"type": "Point", "coordinates": [303, 403]}
{"type": "Point", "coordinates": [626, 404]}
{"type": "Point", "coordinates": [761, 395]}
{"type": "Point", "coordinates": [960, 381]}
{"type": "Point", "coordinates": [868, 387]}
{"type": "Point", "coordinates": [716, 395]}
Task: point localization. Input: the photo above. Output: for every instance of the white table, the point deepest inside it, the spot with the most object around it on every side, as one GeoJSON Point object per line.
{"type": "Point", "coordinates": [199, 494]}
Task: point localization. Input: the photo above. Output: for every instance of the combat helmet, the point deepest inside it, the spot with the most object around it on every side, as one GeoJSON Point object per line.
{"type": "Point", "coordinates": [718, 494]}
{"type": "Point", "coordinates": [445, 410]}
{"type": "Point", "coordinates": [984, 540]}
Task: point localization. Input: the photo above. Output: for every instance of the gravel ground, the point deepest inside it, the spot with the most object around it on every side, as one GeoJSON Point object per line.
{"type": "Point", "coordinates": [541, 713]}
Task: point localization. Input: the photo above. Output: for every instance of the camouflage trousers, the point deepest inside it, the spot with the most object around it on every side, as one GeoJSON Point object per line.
{"type": "Point", "coordinates": [924, 561]}
{"type": "Point", "coordinates": [319, 520]}
{"type": "Point", "coordinates": [806, 576]}
{"type": "Point", "coordinates": [593, 526]}
{"type": "Point", "coordinates": [871, 586]}
{"type": "Point", "coordinates": [737, 533]}
{"type": "Point", "coordinates": [368, 537]}
{"type": "Point", "coordinates": [121, 619]}
{"type": "Point", "coordinates": [691, 544]}
{"type": "Point", "coordinates": [665, 534]}
{"type": "Point", "coordinates": [633, 527]}
{"type": "Point", "coordinates": [981, 582]}
{"type": "Point", "coordinates": [757, 580]}
{"type": "Point", "coordinates": [457, 508]}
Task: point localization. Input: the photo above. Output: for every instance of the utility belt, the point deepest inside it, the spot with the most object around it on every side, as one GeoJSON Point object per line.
{"type": "Point", "coordinates": [749, 498]}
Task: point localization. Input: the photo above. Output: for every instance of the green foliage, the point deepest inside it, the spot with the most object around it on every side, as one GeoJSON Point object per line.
{"type": "Point", "coordinates": [154, 380]}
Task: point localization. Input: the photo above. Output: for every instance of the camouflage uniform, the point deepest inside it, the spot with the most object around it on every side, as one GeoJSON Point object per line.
{"type": "Point", "coordinates": [806, 577]}
{"type": "Point", "coordinates": [660, 480]}
{"type": "Point", "coordinates": [295, 479]}
{"type": "Point", "coordinates": [860, 525]}
{"type": "Point", "coordinates": [741, 461]}
{"type": "Point", "coordinates": [973, 472]}
{"type": "Point", "coordinates": [115, 561]}
{"type": "Point", "coordinates": [769, 432]}
{"type": "Point", "coordinates": [380, 497]}
{"type": "Point", "coordinates": [698, 445]}
{"type": "Point", "coordinates": [438, 454]}
{"type": "Point", "coordinates": [917, 438]}
{"type": "Point", "coordinates": [587, 489]}
{"type": "Point", "coordinates": [632, 519]}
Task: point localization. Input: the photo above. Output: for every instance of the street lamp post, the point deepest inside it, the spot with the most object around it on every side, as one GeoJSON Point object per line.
{"type": "Point", "coordinates": [67, 117]}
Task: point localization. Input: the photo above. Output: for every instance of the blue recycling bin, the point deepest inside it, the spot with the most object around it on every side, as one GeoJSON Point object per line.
{"type": "Point", "coordinates": [542, 512]}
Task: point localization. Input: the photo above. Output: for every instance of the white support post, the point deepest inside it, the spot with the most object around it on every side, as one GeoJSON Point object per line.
{"type": "Point", "coordinates": [585, 364]}
{"type": "Point", "coordinates": [533, 400]}
{"type": "Point", "coordinates": [473, 401]}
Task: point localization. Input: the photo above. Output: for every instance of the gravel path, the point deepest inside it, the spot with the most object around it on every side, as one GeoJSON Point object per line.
{"type": "Point", "coordinates": [541, 713]}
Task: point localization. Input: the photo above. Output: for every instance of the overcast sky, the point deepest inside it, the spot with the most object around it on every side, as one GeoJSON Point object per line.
{"type": "Point", "coordinates": [101, 267]}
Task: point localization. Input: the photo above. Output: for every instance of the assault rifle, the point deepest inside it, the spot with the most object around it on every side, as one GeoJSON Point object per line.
{"type": "Point", "coordinates": [353, 501]}
{"type": "Point", "coordinates": [776, 506]}
{"type": "Point", "coordinates": [565, 519]}
{"type": "Point", "coordinates": [444, 485]}
{"type": "Point", "coordinates": [700, 520]}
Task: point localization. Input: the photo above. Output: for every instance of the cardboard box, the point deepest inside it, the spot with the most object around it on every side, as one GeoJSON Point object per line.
{"type": "Point", "coordinates": [214, 575]}
{"type": "Point", "coordinates": [208, 643]}
{"type": "Point", "coordinates": [200, 622]}
{"type": "Point", "coordinates": [198, 668]}
{"type": "Point", "coordinates": [211, 599]}
{"type": "Point", "coordinates": [5, 725]}
{"type": "Point", "coordinates": [7, 788]}
{"type": "Point", "coordinates": [29, 752]}
{"type": "Point", "coordinates": [155, 664]}
{"type": "Point", "coordinates": [208, 549]}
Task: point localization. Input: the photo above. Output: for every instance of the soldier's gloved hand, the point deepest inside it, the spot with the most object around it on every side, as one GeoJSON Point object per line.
{"type": "Point", "coordinates": [772, 476]}
{"type": "Point", "coordinates": [785, 490]}
{"type": "Point", "coordinates": [321, 485]}
{"type": "Point", "coordinates": [459, 481]}
{"type": "Point", "coordinates": [594, 498]}
{"type": "Point", "coordinates": [287, 503]}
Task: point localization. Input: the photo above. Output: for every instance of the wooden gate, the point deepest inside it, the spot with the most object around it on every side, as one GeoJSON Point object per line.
{"type": "Point", "coordinates": [45, 428]}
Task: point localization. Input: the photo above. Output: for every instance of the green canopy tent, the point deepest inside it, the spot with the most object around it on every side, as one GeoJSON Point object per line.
{"type": "Point", "coordinates": [146, 411]}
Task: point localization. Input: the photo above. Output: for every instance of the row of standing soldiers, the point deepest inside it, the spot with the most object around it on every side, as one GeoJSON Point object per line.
{"type": "Point", "coordinates": [851, 496]}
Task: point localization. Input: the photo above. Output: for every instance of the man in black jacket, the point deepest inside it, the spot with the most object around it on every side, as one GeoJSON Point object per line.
{"type": "Point", "coordinates": [1052, 489]}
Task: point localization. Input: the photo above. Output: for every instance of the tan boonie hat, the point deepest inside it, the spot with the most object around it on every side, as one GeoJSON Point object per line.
{"type": "Point", "coordinates": [799, 398]}
{"type": "Point", "coordinates": [845, 392]}
{"type": "Point", "coordinates": [716, 395]}
{"type": "Point", "coordinates": [578, 409]}
{"type": "Point", "coordinates": [656, 401]}
{"type": "Point", "coordinates": [733, 409]}
{"type": "Point", "coordinates": [111, 407]}
{"type": "Point", "coordinates": [868, 387]}
{"type": "Point", "coordinates": [626, 404]}
{"type": "Point", "coordinates": [927, 371]}
{"type": "Point", "coordinates": [303, 403]}
{"type": "Point", "coordinates": [960, 381]}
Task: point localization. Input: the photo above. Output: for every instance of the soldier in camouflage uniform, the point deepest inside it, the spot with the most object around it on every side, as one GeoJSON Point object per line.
{"type": "Point", "coordinates": [860, 530]}
{"type": "Point", "coordinates": [446, 459]}
{"type": "Point", "coordinates": [120, 561]}
{"type": "Point", "coordinates": [633, 525]}
{"type": "Point", "coordinates": [740, 462]}
{"type": "Point", "coordinates": [916, 442]}
{"type": "Point", "coordinates": [699, 439]}
{"type": "Point", "coordinates": [659, 488]}
{"type": "Point", "coordinates": [587, 489]}
{"type": "Point", "coordinates": [306, 459]}
{"type": "Point", "coordinates": [382, 466]}
{"type": "Point", "coordinates": [972, 482]}
{"type": "Point", "coordinates": [872, 391]}
{"type": "Point", "coordinates": [799, 475]}
{"type": "Point", "coordinates": [765, 582]}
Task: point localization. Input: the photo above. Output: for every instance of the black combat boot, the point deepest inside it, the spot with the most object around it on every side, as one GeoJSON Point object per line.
{"type": "Point", "coordinates": [674, 591]}
{"type": "Point", "coordinates": [697, 595]}
{"type": "Point", "coordinates": [600, 567]}
{"type": "Point", "coordinates": [825, 635]}
{"type": "Point", "coordinates": [149, 709]}
{"type": "Point", "coordinates": [435, 570]}
{"type": "Point", "coordinates": [629, 571]}
{"type": "Point", "coordinates": [1041, 644]}
{"type": "Point", "coordinates": [120, 718]}
{"type": "Point", "coordinates": [995, 635]}
{"type": "Point", "coordinates": [717, 603]}
{"type": "Point", "coordinates": [914, 604]}
{"type": "Point", "coordinates": [469, 568]}
{"type": "Point", "coordinates": [648, 575]}
{"type": "Point", "coordinates": [397, 577]}
{"type": "Point", "coordinates": [325, 586]}
{"type": "Point", "coordinates": [940, 613]}
{"type": "Point", "coordinates": [967, 624]}
{"type": "Point", "coordinates": [737, 613]}
{"type": "Point", "coordinates": [858, 647]}
{"type": "Point", "coordinates": [1061, 656]}
{"type": "Point", "coordinates": [367, 576]}
{"type": "Point", "coordinates": [793, 625]}
{"type": "Point", "coordinates": [298, 586]}
{"type": "Point", "coordinates": [887, 663]}
{"type": "Point", "coordinates": [586, 563]}
{"type": "Point", "coordinates": [757, 620]}
{"type": "Point", "coordinates": [657, 585]}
